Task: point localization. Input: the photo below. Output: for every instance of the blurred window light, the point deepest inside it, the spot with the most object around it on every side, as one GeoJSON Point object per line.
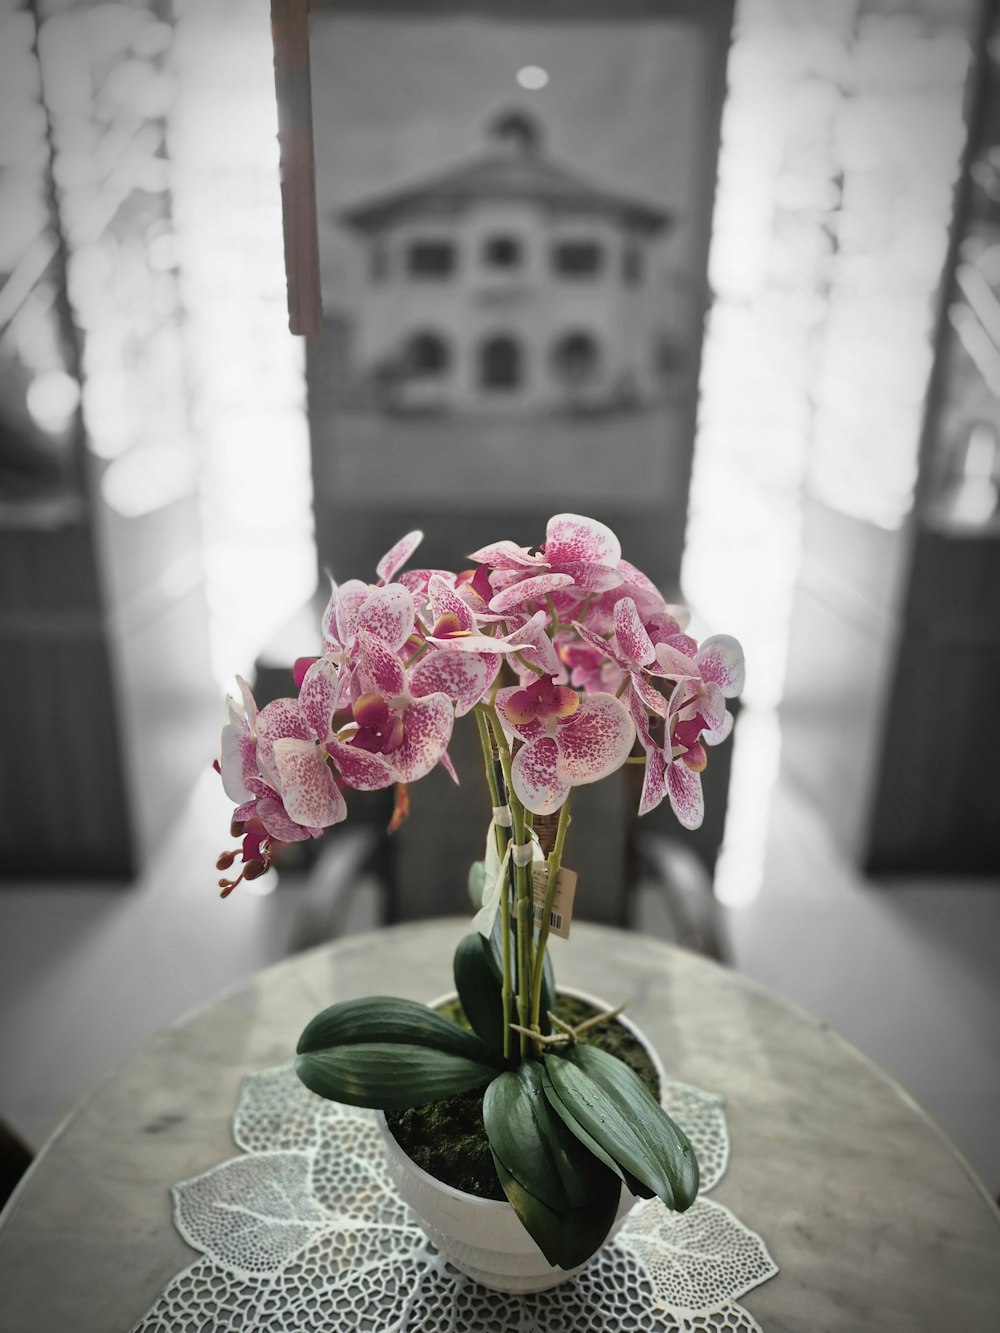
{"type": "Point", "coordinates": [841, 142]}
{"type": "Point", "coordinates": [532, 77]}
{"type": "Point", "coordinates": [247, 374]}
{"type": "Point", "coordinates": [147, 478]}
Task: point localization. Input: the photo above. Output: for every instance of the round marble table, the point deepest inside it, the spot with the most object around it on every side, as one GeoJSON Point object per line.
{"type": "Point", "coordinates": [873, 1218]}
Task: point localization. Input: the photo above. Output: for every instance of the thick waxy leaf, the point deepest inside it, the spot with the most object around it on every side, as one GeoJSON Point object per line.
{"type": "Point", "coordinates": [564, 1196]}
{"type": "Point", "coordinates": [389, 1076]}
{"type": "Point", "coordinates": [593, 1091]}
{"type": "Point", "coordinates": [382, 1018]}
{"type": "Point", "coordinates": [479, 982]}
{"type": "Point", "coordinates": [631, 1183]}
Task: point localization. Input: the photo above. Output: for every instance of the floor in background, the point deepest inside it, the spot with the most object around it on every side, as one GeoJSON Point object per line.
{"type": "Point", "coordinates": [907, 973]}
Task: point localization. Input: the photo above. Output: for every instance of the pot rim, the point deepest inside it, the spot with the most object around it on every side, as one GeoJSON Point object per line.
{"type": "Point", "coordinates": [394, 1146]}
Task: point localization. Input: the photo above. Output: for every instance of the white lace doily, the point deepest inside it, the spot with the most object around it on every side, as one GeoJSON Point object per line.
{"type": "Point", "coordinates": [305, 1234]}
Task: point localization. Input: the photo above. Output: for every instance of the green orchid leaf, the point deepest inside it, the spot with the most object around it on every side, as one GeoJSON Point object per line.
{"type": "Point", "coordinates": [597, 1094]}
{"type": "Point", "coordinates": [382, 1018]}
{"type": "Point", "coordinates": [590, 1143]}
{"type": "Point", "coordinates": [565, 1197]}
{"type": "Point", "coordinates": [388, 1075]}
{"type": "Point", "coordinates": [479, 983]}
{"type": "Point", "coordinates": [566, 1239]}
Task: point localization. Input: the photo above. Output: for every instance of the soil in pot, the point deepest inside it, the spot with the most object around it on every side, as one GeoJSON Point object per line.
{"type": "Point", "coordinates": [447, 1138]}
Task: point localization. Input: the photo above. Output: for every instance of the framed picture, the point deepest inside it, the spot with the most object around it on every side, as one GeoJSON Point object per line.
{"type": "Point", "coordinates": [514, 208]}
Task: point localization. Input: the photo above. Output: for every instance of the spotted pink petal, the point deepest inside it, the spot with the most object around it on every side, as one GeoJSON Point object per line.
{"type": "Point", "coordinates": [712, 706]}
{"type": "Point", "coordinates": [345, 605]}
{"type": "Point", "coordinates": [359, 768]}
{"type": "Point", "coordinates": [570, 537]}
{"type": "Point", "coordinates": [445, 601]}
{"type": "Point", "coordinates": [244, 812]}
{"type": "Point", "coordinates": [538, 784]}
{"type": "Point", "coordinates": [462, 677]}
{"type": "Point", "coordinates": [527, 590]}
{"type": "Point", "coordinates": [654, 786]}
{"type": "Point", "coordinates": [249, 703]}
{"type": "Point", "coordinates": [396, 557]}
{"type": "Point", "coordinates": [278, 720]}
{"type": "Point", "coordinates": [381, 668]}
{"type": "Point", "coordinates": [449, 768]}
{"type": "Point", "coordinates": [388, 613]}
{"type": "Point", "coordinates": [652, 698]}
{"type": "Point", "coordinates": [595, 740]}
{"type": "Point", "coordinates": [309, 791]}
{"type": "Point", "coordinates": [427, 725]}
{"type": "Point", "coordinates": [720, 659]}
{"type": "Point", "coordinates": [525, 730]}
{"type": "Point", "coordinates": [237, 760]}
{"type": "Point", "coordinates": [603, 646]}
{"type": "Point", "coordinates": [718, 734]}
{"type": "Point", "coordinates": [631, 634]}
{"type": "Point", "coordinates": [539, 650]}
{"type": "Point", "coordinates": [506, 555]}
{"type": "Point", "coordinates": [684, 790]}
{"type": "Point", "coordinates": [674, 664]}
{"type": "Point", "coordinates": [279, 824]}
{"type": "Point", "coordinates": [590, 578]}
{"type": "Point", "coordinates": [319, 695]}
{"type": "Point", "coordinates": [641, 589]}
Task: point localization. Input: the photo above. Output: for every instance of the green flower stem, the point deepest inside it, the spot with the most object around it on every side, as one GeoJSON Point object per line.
{"type": "Point", "coordinates": [498, 795]}
{"type": "Point", "coordinates": [554, 865]}
{"type": "Point", "coordinates": [522, 892]}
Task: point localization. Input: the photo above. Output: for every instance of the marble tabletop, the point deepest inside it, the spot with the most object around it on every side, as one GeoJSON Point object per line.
{"type": "Point", "coordinates": [872, 1217]}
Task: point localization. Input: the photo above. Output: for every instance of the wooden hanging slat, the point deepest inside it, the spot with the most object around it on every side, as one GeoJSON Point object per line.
{"type": "Point", "coordinates": [293, 87]}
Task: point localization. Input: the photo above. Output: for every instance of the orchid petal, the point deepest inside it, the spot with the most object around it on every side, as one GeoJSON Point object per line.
{"type": "Point", "coordinates": [535, 774]}
{"type": "Point", "coordinates": [380, 666]}
{"type": "Point", "coordinates": [427, 725]}
{"type": "Point", "coordinates": [590, 578]}
{"type": "Point", "coordinates": [347, 602]}
{"type": "Point", "coordinates": [538, 648]}
{"type": "Point", "coordinates": [684, 790]}
{"type": "Point", "coordinates": [506, 555]}
{"type": "Point", "coordinates": [319, 695]}
{"type": "Point", "coordinates": [603, 646]}
{"type": "Point", "coordinates": [674, 664]}
{"type": "Point", "coordinates": [397, 556]}
{"type": "Point", "coordinates": [358, 768]}
{"type": "Point", "coordinates": [651, 697]}
{"type": "Point", "coordinates": [719, 734]}
{"type": "Point", "coordinates": [654, 786]}
{"type": "Point", "coordinates": [526, 590]}
{"type": "Point", "coordinates": [525, 730]}
{"type": "Point", "coordinates": [279, 823]}
{"type": "Point", "coordinates": [720, 659]}
{"type": "Point", "coordinates": [449, 768]}
{"type": "Point", "coordinates": [308, 790]}
{"type": "Point", "coordinates": [463, 678]}
{"type": "Point", "coordinates": [631, 634]}
{"type": "Point", "coordinates": [445, 601]}
{"type": "Point", "coordinates": [388, 613]}
{"type": "Point", "coordinates": [595, 740]}
{"type": "Point", "coordinates": [573, 537]}
{"type": "Point", "coordinates": [249, 703]}
{"type": "Point", "coordinates": [237, 760]}
{"type": "Point", "coordinates": [278, 720]}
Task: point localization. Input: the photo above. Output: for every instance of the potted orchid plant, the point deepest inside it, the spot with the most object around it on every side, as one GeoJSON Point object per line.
{"type": "Point", "coordinates": [571, 664]}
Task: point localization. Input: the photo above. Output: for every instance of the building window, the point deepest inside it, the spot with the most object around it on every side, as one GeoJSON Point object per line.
{"type": "Point", "coordinates": [431, 259]}
{"type": "Point", "coordinates": [427, 355]}
{"type": "Point", "coordinates": [500, 363]}
{"type": "Point", "coordinates": [503, 252]}
{"type": "Point", "coordinates": [575, 359]}
{"type": "Point", "coordinates": [578, 259]}
{"type": "Point", "coordinates": [632, 266]}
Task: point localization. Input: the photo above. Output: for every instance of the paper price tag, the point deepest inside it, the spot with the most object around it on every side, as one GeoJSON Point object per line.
{"type": "Point", "coordinates": [561, 913]}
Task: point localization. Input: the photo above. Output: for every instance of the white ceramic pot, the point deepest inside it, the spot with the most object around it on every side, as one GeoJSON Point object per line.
{"type": "Point", "coordinates": [483, 1237]}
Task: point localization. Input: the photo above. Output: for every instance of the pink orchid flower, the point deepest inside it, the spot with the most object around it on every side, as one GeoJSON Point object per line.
{"type": "Point", "coordinates": [696, 717]}
{"type": "Point", "coordinates": [415, 728]}
{"type": "Point", "coordinates": [578, 552]}
{"type": "Point", "coordinates": [385, 609]}
{"type": "Point", "coordinates": [568, 740]}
